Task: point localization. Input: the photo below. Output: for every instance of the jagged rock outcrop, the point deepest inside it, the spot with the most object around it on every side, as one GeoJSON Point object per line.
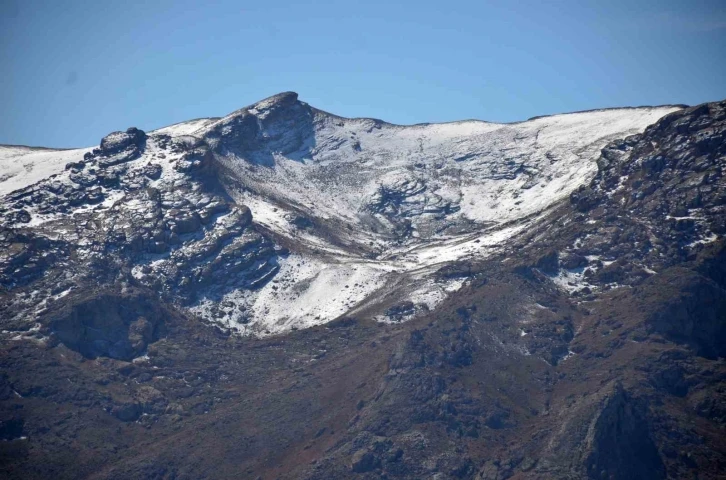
{"type": "Point", "coordinates": [279, 124]}
{"type": "Point", "coordinates": [140, 210]}
{"type": "Point", "coordinates": [656, 201]}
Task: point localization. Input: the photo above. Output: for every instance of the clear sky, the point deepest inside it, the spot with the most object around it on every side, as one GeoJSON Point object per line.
{"type": "Point", "coordinates": [75, 70]}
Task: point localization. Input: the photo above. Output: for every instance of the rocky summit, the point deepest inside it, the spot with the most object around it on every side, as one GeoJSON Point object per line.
{"type": "Point", "coordinates": [285, 293]}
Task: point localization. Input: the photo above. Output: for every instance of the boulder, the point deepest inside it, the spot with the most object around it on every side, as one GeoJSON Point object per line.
{"type": "Point", "coordinates": [153, 171]}
{"type": "Point", "coordinates": [116, 142]}
{"type": "Point", "coordinates": [364, 461]}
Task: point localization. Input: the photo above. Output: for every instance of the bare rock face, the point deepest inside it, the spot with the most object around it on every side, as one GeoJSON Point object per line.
{"type": "Point", "coordinates": [655, 202]}
{"type": "Point", "coordinates": [121, 147]}
{"type": "Point", "coordinates": [141, 333]}
{"type": "Point", "coordinates": [622, 446]}
{"type": "Point", "coordinates": [604, 436]}
{"type": "Point", "coordinates": [695, 316]}
{"type": "Point", "coordinates": [108, 325]}
{"type": "Point", "coordinates": [118, 141]}
{"type": "Point", "coordinates": [669, 179]}
{"type": "Point", "coordinates": [279, 124]}
{"type": "Point", "coordinates": [364, 461]}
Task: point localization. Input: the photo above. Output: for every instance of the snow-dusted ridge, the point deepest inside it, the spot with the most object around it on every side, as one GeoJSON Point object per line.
{"type": "Point", "coordinates": [384, 206]}
{"type": "Point", "coordinates": [369, 210]}
{"type": "Point", "coordinates": [185, 128]}
{"type": "Point", "coordinates": [445, 177]}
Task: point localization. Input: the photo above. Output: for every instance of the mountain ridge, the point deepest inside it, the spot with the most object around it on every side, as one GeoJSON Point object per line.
{"type": "Point", "coordinates": [353, 192]}
{"type": "Point", "coordinates": [182, 122]}
{"type": "Point", "coordinates": [292, 94]}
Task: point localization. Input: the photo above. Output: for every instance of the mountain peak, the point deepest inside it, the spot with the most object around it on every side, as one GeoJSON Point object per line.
{"type": "Point", "coordinates": [282, 98]}
{"type": "Point", "coordinates": [275, 102]}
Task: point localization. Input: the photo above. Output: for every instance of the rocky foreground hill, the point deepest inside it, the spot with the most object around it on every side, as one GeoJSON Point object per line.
{"type": "Point", "coordinates": [284, 293]}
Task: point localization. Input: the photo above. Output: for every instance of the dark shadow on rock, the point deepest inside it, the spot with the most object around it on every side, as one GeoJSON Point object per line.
{"type": "Point", "coordinates": [622, 446]}
{"type": "Point", "coordinates": [109, 324]}
{"type": "Point", "coordinates": [278, 125]}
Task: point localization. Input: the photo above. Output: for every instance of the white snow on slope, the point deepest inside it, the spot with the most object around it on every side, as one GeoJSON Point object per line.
{"type": "Point", "coordinates": [489, 172]}
{"type": "Point", "coordinates": [306, 291]}
{"type": "Point", "coordinates": [498, 177]}
{"type": "Point", "coordinates": [23, 166]}
{"type": "Point", "coordinates": [469, 187]}
{"type": "Point", "coordinates": [184, 128]}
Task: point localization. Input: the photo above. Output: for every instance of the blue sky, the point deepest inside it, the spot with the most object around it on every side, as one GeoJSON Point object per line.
{"type": "Point", "coordinates": [76, 70]}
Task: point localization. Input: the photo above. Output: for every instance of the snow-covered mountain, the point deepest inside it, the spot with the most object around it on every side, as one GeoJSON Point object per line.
{"type": "Point", "coordinates": [284, 293]}
{"type": "Point", "coordinates": [366, 211]}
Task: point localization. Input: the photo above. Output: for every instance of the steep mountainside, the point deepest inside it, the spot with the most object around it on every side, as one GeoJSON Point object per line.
{"type": "Point", "coordinates": [284, 293]}
{"type": "Point", "coordinates": [357, 203]}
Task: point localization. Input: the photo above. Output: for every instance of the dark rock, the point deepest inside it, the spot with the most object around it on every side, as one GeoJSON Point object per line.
{"type": "Point", "coordinates": [141, 332]}
{"type": "Point", "coordinates": [127, 412]}
{"type": "Point", "coordinates": [572, 261]}
{"type": "Point", "coordinates": [77, 166]}
{"type": "Point", "coordinates": [622, 444]}
{"type": "Point", "coordinates": [548, 263]}
{"type": "Point", "coordinates": [694, 315]}
{"type": "Point", "coordinates": [185, 223]}
{"type": "Point", "coordinates": [22, 216]}
{"type": "Point", "coordinates": [401, 310]}
{"type": "Point", "coordinates": [108, 325]}
{"type": "Point", "coordinates": [302, 222]}
{"type": "Point", "coordinates": [364, 461]}
{"type": "Point", "coordinates": [152, 171]}
{"type": "Point", "coordinates": [116, 142]}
